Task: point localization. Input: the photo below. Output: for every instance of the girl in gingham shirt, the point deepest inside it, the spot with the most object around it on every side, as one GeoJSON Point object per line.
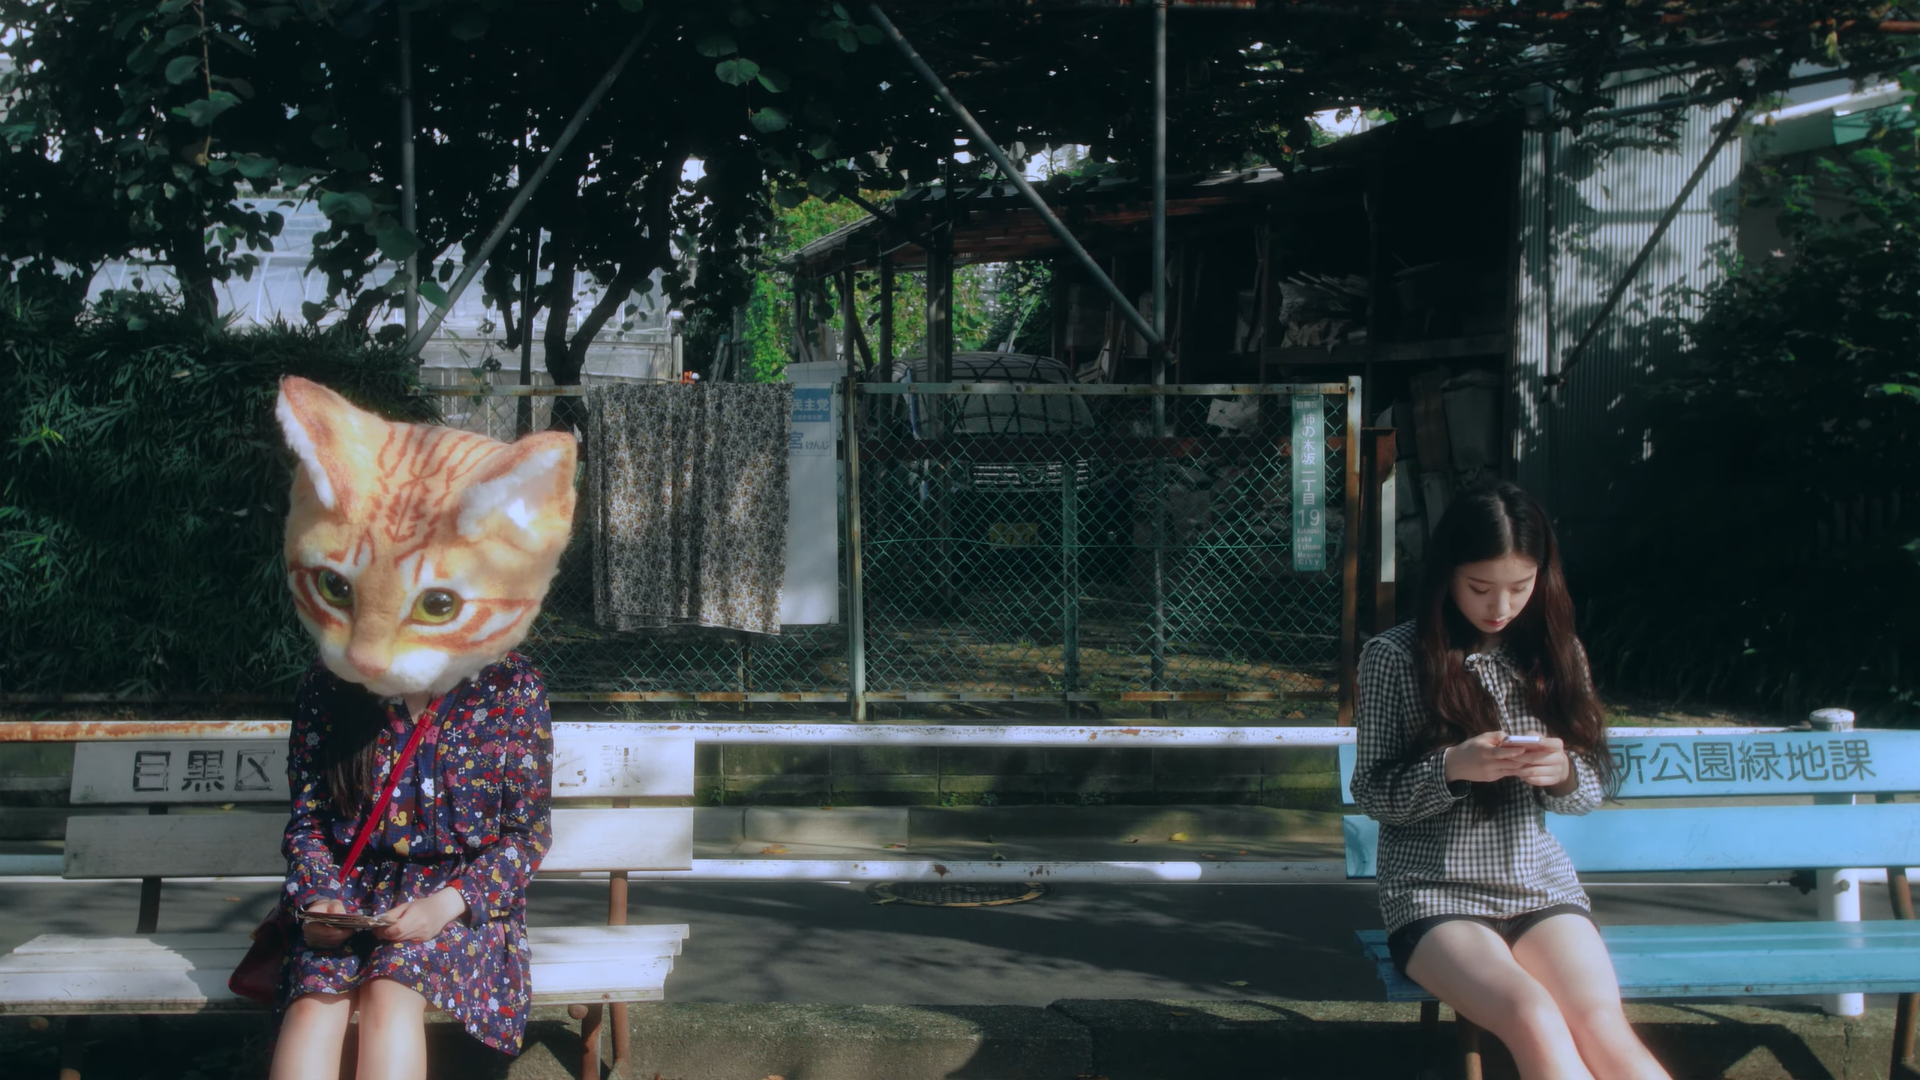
{"type": "Point", "coordinates": [1481, 904]}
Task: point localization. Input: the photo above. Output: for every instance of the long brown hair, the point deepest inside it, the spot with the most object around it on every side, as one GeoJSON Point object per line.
{"type": "Point", "coordinates": [349, 755]}
{"type": "Point", "coordinates": [1490, 522]}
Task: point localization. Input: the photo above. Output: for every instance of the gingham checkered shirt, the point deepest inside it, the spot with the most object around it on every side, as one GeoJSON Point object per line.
{"type": "Point", "coordinates": [1439, 853]}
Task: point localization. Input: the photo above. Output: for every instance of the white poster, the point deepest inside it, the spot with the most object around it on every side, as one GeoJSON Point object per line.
{"type": "Point", "coordinates": [810, 592]}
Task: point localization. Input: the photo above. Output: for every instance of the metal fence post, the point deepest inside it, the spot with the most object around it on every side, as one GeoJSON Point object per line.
{"type": "Point", "coordinates": [1838, 891]}
{"type": "Point", "coordinates": [1350, 555]}
{"type": "Point", "coordinates": [1070, 584]}
{"type": "Point", "coordinates": [856, 589]}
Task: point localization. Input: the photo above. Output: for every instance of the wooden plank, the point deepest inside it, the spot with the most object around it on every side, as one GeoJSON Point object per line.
{"type": "Point", "coordinates": [222, 959]}
{"type": "Point", "coordinates": [613, 980]}
{"type": "Point", "coordinates": [590, 761]}
{"type": "Point", "coordinates": [602, 761]}
{"type": "Point", "coordinates": [1779, 763]}
{"type": "Point", "coordinates": [175, 845]}
{"type": "Point", "coordinates": [647, 838]}
{"type": "Point", "coordinates": [1787, 763]}
{"type": "Point", "coordinates": [180, 771]}
{"type": "Point", "coordinates": [204, 990]}
{"type": "Point", "coordinates": [241, 844]}
{"type": "Point", "coordinates": [1747, 959]}
{"type": "Point", "coordinates": [1709, 838]}
{"type": "Point", "coordinates": [227, 957]}
{"type": "Point", "coordinates": [617, 936]}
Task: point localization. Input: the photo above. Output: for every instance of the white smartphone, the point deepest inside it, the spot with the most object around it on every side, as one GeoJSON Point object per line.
{"type": "Point", "coordinates": [1521, 740]}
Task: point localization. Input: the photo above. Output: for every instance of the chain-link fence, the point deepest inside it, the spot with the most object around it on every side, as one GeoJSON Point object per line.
{"type": "Point", "coordinates": [1019, 549]}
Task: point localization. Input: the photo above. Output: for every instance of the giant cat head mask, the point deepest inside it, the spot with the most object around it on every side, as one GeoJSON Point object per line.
{"type": "Point", "coordinates": [418, 554]}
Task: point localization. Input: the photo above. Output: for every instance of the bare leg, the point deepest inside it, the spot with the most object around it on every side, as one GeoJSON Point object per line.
{"type": "Point", "coordinates": [311, 1036]}
{"type": "Point", "coordinates": [1469, 967]}
{"type": "Point", "coordinates": [393, 1032]}
{"type": "Point", "coordinates": [1566, 955]}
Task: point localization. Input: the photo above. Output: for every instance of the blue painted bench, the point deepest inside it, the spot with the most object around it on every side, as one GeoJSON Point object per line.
{"type": "Point", "coordinates": [1839, 830]}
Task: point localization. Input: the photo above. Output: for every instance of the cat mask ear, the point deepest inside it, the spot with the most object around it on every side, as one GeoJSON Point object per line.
{"type": "Point", "coordinates": [529, 484]}
{"type": "Point", "coordinates": [321, 427]}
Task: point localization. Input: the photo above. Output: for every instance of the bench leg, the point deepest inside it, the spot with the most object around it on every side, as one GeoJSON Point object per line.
{"type": "Point", "coordinates": [590, 1017]}
{"type": "Point", "coordinates": [617, 1016]}
{"type": "Point", "coordinates": [1429, 1032]}
{"type": "Point", "coordinates": [73, 1046]}
{"type": "Point", "coordinates": [1901, 893]}
{"type": "Point", "coordinates": [1903, 1018]}
{"type": "Point", "coordinates": [617, 916]}
{"type": "Point", "coordinates": [1469, 1047]}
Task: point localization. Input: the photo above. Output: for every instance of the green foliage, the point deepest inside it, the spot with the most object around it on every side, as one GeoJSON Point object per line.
{"type": "Point", "coordinates": [146, 489]}
{"type": "Point", "coordinates": [1774, 569]}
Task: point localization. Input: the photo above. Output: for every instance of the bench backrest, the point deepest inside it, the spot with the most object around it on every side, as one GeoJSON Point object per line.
{"type": "Point", "coordinates": [591, 762]}
{"type": "Point", "coordinates": [1827, 765]}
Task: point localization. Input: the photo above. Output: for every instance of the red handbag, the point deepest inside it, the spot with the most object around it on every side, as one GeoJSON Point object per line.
{"type": "Point", "coordinates": [257, 978]}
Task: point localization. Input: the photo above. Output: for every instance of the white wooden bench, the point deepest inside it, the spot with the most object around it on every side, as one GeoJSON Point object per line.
{"type": "Point", "coordinates": [590, 969]}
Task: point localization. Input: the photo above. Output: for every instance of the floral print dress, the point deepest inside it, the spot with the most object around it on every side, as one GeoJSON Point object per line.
{"type": "Point", "coordinates": [471, 811]}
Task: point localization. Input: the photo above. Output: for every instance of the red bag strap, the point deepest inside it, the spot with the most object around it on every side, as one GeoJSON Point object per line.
{"type": "Point", "coordinates": [393, 779]}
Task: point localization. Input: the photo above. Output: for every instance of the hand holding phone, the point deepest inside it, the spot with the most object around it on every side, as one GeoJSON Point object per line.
{"type": "Point", "coordinates": [1521, 740]}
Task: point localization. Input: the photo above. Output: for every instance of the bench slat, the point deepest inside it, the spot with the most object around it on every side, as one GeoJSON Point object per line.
{"type": "Point", "coordinates": [247, 844]}
{"type": "Point", "coordinates": [590, 761]}
{"type": "Point", "coordinates": [228, 956]}
{"type": "Point", "coordinates": [1785, 763]}
{"type": "Point", "coordinates": [1736, 960]}
{"type": "Point", "coordinates": [1709, 838]}
{"type": "Point", "coordinates": [615, 936]}
{"type": "Point", "coordinates": [222, 959]}
{"type": "Point", "coordinates": [634, 978]}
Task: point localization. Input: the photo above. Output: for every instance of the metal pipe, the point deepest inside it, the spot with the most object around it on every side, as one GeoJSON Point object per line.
{"type": "Point", "coordinates": [885, 358]}
{"type": "Point", "coordinates": [1111, 873]}
{"type": "Point", "coordinates": [524, 418]}
{"type": "Point", "coordinates": [814, 734]}
{"type": "Point", "coordinates": [1157, 629]}
{"type": "Point", "coordinates": [408, 191]}
{"type": "Point", "coordinates": [1019, 181]}
{"type": "Point", "coordinates": [1070, 580]}
{"type": "Point", "coordinates": [525, 195]}
{"type": "Point", "coordinates": [856, 573]}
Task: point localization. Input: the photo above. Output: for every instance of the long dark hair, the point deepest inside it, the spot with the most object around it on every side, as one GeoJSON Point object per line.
{"type": "Point", "coordinates": [350, 754]}
{"type": "Point", "coordinates": [1490, 522]}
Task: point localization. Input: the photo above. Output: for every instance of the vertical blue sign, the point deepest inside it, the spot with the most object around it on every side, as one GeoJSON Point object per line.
{"type": "Point", "coordinates": [1309, 483]}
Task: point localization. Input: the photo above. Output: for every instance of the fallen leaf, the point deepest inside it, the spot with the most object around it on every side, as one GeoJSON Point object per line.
{"type": "Point", "coordinates": [37, 1023]}
{"type": "Point", "coordinates": [1180, 836]}
{"type": "Point", "coordinates": [894, 847]}
{"type": "Point", "coordinates": [1177, 1012]}
{"type": "Point", "coordinates": [1209, 855]}
{"type": "Point", "coordinates": [231, 899]}
{"type": "Point", "coordinates": [1236, 982]}
{"type": "Point", "coordinates": [1242, 851]}
{"type": "Point", "coordinates": [774, 849]}
{"type": "Point", "coordinates": [1133, 840]}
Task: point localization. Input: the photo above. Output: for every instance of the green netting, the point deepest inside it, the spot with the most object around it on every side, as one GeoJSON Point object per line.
{"type": "Point", "coordinates": [1009, 555]}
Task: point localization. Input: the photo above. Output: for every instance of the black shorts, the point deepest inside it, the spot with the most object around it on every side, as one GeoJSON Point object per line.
{"type": "Point", "coordinates": [1400, 943]}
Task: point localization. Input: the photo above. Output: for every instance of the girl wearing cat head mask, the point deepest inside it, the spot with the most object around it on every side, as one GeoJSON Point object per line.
{"type": "Point", "coordinates": [418, 556]}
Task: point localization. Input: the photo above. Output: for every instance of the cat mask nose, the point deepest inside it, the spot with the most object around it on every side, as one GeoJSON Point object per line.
{"type": "Point", "coordinates": [366, 661]}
